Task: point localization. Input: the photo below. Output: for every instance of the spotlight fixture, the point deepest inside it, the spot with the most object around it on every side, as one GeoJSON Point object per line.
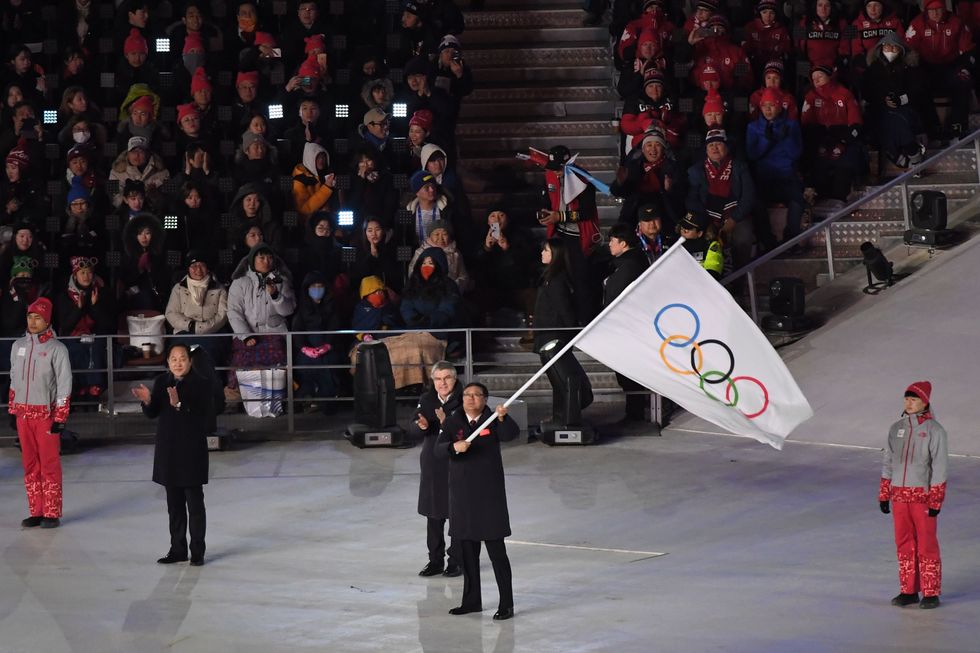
{"type": "Point", "coordinates": [927, 210]}
{"type": "Point", "coordinates": [50, 116]}
{"type": "Point", "coordinates": [374, 399]}
{"type": "Point", "coordinates": [275, 112]}
{"type": "Point", "coordinates": [787, 304]}
{"type": "Point", "coordinates": [345, 218]}
{"type": "Point", "coordinates": [571, 392]}
{"type": "Point", "coordinates": [163, 45]}
{"type": "Point", "coordinates": [399, 110]}
{"type": "Point", "coordinates": [878, 267]}
{"type": "Point", "coordinates": [341, 111]}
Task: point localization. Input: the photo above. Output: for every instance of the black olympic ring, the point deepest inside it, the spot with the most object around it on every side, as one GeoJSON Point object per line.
{"type": "Point", "coordinates": [731, 366]}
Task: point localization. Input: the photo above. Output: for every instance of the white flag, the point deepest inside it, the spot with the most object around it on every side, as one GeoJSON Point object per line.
{"type": "Point", "coordinates": [678, 332]}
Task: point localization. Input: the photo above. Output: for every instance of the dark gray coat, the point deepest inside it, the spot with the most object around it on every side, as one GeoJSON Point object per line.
{"type": "Point", "coordinates": [477, 495]}
{"type": "Point", "coordinates": [434, 479]}
{"type": "Point", "coordinates": [180, 457]}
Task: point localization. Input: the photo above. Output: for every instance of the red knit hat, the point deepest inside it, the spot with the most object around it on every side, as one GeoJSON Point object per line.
{"type": "Point", "coordinates": [144, 102]}
{"type": "Point", "coordinates": [310, 68]}
{"type": "Point", "coordinates": [199, 81]}
{"type": "Point", "coordinates": [19, 157]}
{"type": "Point", "coordinates": [713, 103]}
{"type": "Point", "coordinates": [193, 41]}
{"type": "Point", "coordinates": [422, 118]}
{"type": "Point", "coordinates": [647, 35]}
{"type": "Point", "coordinates": [42, 307]}
{"type": "Point", "coordinates": [79, 262]}
{"type": "Point", "coordinates": [135, 43]}
{"type": "Point", "coordinates": [709, 73]}
{"type": "Point", "coordinates": [920, 389]}
{"type": "Point", "coordinates": [934, 4]}
{"type": "Point", "coordinates": [264, 38]}
{"type": "Point", "coordinates": [315, 42]}
{"type": "Point", "coordinates": [243, 78]}
{"type": "Point", "coordinates": [184, 110]}
{"type": "Point", "coordinates": [771, 95]}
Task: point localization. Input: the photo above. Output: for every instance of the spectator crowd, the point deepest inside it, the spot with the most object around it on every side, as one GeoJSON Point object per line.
{"type": "Point", "coordinates": [250, 168]}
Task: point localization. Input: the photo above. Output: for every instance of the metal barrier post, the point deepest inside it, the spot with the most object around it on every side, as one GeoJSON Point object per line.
{"type": "Point", "coordinates": [290, 415]}
{"type": "Point", "coordinates": [753, 306]}
{"type": "Point", "coordinates": [111, 387]}
{"type": "Point", "coordinates": [905, 206]}
{"type": "Point", "coordinates": [468, 369]}
{"type": "Point", "coordinates": [976, 157]}
{"type": "Point", "coordinates": [830, 253]}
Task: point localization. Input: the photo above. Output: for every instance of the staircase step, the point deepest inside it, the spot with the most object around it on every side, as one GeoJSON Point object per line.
{"type": "Point", "coordinates": [549, 92]}
{"type": "Point", "coordinates": [603, 158]}
{"type": "Point", "coordinates": [508, 20]}
{"type": "Point", "coordinates": [515, 5]}
{"type": "Point", "coordinates": [530, 110]}
{"type": "Point", "coordinates": [558, 73]}
{"type": "Point", "coordinates": [561, 54]}
{"type": "Point", "coordinates": [526, 34]}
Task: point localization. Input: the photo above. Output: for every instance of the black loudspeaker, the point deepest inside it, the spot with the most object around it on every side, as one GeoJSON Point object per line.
{"type": "Point", "coordinates": [571, 392]}
{"type": "Point", "coordinates": [787, 303]}
{"type": "Point", "coordinates": [374, 399]}
{"type": "Point", "coordinates": [928, 210]}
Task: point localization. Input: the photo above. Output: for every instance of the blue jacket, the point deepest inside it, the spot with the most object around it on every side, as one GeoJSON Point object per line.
{"type": "Point", "coordinates": [775, 157]}
{"type": "Point", "coordinates": [742, 189]}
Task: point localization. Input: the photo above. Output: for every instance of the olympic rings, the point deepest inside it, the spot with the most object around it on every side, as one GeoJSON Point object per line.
{"type": "Point", "coordinates": [710, 377]}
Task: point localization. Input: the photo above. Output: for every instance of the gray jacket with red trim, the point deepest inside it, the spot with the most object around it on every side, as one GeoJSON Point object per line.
{"type": "Point", "coordinates": [915, 460]}
{"type": "Point", "coordinates": [40, 377]}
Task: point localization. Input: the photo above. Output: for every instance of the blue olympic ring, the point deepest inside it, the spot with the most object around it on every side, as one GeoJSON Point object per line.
{"type": "Point", "coordinates": [697, 325]}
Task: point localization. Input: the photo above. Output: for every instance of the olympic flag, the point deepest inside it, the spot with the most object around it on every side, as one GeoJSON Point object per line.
{"type": "Point", "coordinates": [678, 332]}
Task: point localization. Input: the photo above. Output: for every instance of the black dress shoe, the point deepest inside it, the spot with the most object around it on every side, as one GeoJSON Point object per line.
{"type": "Point", "coordinates": [929, 602]}
{"type": "Point", "coordinates": [50, 522]}
{"type": "Point", "coordinates": [503, 614]}
{"type": "Point", "coordinates": [466, 610]}
{"type": "Point", "coordinates": [31, 522]}
{"type": "Point", "coordinates": [171, 558]}
{"type": "Point", "coordinates": [431, 569]}
{"type": "Point", "coordinates": [905, 599]}
{"type": "Point", "coordinates": [452, 571]}
{"type": "Point", "coordinates": [197, 562]}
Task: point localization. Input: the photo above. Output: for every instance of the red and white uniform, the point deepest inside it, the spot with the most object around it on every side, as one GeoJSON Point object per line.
{"type": "Point", "coordinates": [823, 42]}
{"type": "Point", "coordinates": [764, 43]}
{"type": "Point", "coordinates": [654, 21]}
{"type": "Point", "coordinates": [831, 105]}
{"type": "Point", "coordinates": [939, 43]}
{"type": "Point", "coordinates": [725, 57]}
{"type": "Point", "coordinates": [868, 32]}
{"type": "Point", "coordinates": [968, 11]}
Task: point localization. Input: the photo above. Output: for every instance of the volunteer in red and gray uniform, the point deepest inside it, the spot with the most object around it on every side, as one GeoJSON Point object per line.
{"type": "Point", "coordinates": [40, 394]}
{"type": "Point", "coordinates": [912, 488]}
{"type": "Point", "coordinates": [947, 50]}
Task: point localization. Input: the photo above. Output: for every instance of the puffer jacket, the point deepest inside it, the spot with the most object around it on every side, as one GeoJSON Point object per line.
{"type": "Point", "coordinates": [153, 174]}
{"type": "Point", "coordinates": [40, 377]}
{"type": "Point", "coordinates": [310, 194]}
{"type": "Point", "coordinates": [208, 318]}
{"type": "Point", "coordinates": [914, 463]}
{"type": "Point", "coordinates": [250, 307]}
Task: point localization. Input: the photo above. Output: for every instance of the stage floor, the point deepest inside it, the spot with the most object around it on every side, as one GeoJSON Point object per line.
{"type": "Point", "coordinates": [688, 543]}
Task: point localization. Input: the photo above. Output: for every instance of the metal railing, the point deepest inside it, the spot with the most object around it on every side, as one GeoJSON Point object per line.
{"type": "Point", "coordinates": [902, 182]}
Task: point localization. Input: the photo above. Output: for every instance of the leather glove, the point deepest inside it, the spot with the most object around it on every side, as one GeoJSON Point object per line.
{"type": "Point", "coordinates": [885, 508]}
{"type": "Point", "coordinates": [57, 427]}
{"type": "Point", "coordinates": [13, 422]}
{"type": "Point", "coordinates": [933, 512]}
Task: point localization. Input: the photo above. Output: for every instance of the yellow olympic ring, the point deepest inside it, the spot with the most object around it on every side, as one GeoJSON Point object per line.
{"type": "Point", "coordinates": [697, 348]}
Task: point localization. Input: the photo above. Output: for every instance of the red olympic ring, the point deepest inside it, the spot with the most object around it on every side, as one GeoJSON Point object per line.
{"type": "Point", "coordinates": [765, 394]}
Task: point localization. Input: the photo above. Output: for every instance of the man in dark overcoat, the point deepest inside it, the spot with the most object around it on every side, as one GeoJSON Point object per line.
{"type": "Point", "coordinates": [477, 496]}
{"type": "Point", "coordinates": [435, 405]}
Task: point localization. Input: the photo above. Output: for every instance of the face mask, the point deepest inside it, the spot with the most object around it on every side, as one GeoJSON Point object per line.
{"type": "Point", "coordinates": [426, 271]}
{"type": "Point", "coordinates": [891, 56]}
{"type": "Point", "coordinates": [376, 300]}
{"type": "Point", "coordinates": [316, 294]}
{"type": "Point", "coordinates": [81, 137]}
{"type": "Point", "coordinates": [192, 61]}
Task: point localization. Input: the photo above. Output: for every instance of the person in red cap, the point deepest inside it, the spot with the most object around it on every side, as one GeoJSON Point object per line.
{"type": "Point", "coordinates": [134, 68]}
{"type": "Point", "coordinates": [648, 56]}
{"type": "Point", "coordinates": [766, 39]}
{"type": "Point", "coordinates": [19, 193]}
{"type": "Point", "coordinates": [948, 60]}
{"type": "Point", "coordinates": [246, 103]}
{"type": "Point", "coordinates": [38, 403]}
{"type": "Point", "coordinates": [202, 93]}
{"type": "Point", "coordinates": [912, 488]}
{"type": "Point", "coordinates": [832, 124]}
{"type": "Point", "coordinates": [654, 19]}
{"type": "Point", "coordinates": [772, 76]}
{"type": "Point", "coordinates": [729, 59]}
{"type": "Point", "coordinates": [652, 106]}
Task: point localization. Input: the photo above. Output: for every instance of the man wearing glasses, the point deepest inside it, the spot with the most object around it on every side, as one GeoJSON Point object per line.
{"type": "Point", "coordinates": [477, 496]}
{"type": "Point", "coordinates": [435, 405]}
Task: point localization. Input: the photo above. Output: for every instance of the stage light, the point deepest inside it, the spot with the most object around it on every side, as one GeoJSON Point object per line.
{"type": "Point", "coordinates": [341, 111]}
{"type": "Point", "coordinates": [877, 266]}
{"type": "Point", "coordinates": [163, 45]}
{"type": "Point", "coordinates": [399, 110]}
{"type": "Point", "coordinates": [345, 218]}
{"type": "Point", "coordinates": [374, 399]}
{"type": "Point", "coordinates": [50, 116]}
{"type": "Point", "coordinates": [170, 222]}
{"type": "Point", "coordinates": [275, 111]}
{"type": "Point", "coordinates": [787, 304]}
{"type": "Point", "coordinates": [571, 392]}
{"type": "Point", "coordinates": [927, 211]}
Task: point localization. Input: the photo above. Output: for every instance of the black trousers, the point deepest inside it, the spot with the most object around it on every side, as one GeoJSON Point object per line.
{"type": "Point", "coordinates": [184, 502]}
{"type": "Point", "coordinates": [436, 542]}
{"type": "Point", "coordinates": [635, 403]}
{"type": "Point", "coordinates": [471, 573]}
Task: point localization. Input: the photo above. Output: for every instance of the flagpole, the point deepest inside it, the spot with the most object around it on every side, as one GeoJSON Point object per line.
{"type": "Point", "coordinates": [578, 336]}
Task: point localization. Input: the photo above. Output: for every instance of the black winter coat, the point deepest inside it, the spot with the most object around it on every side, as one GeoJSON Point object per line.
{"type": "Point", "coordinates": [477, 495]}
{"type": "Point", "coordinates": [180, 456]}
{"type": "Point", "coordinates": [434, 478]}
{"type": "Point", "coordinates": [628, 267]}
{"type": "Point", "coordinates": [553, 308]}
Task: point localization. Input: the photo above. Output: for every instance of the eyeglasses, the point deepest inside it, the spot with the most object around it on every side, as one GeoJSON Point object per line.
{"type": "Point", "coordinates": [474, 395]}
{"type": "Point", "coordinates": [383, 123]}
